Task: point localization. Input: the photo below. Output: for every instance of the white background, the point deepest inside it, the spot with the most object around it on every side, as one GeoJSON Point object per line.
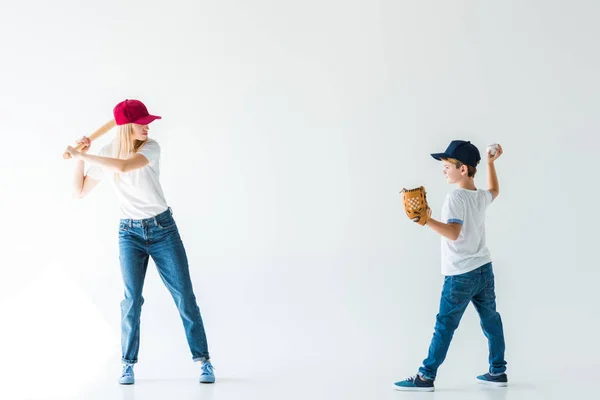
{"type": "Point", "coordinates": [288, 130]}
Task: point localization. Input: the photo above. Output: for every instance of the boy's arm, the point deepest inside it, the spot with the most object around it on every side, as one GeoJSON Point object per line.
{"type": "Point", "coordinates": [450, 230]}
{"type": "Point", "coordinates": [493, 185]}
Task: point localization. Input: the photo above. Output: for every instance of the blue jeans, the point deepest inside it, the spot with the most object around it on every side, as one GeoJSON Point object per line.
{"type": "Point", "coordinates": [478, 287]}
{"type": "Point", "coordinates": [158, 238]}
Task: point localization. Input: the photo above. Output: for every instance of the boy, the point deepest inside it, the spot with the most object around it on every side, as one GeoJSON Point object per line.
{"type": "Point", "coordinates": [466, 264]}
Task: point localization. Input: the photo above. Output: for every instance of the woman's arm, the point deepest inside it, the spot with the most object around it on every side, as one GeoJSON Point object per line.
{"type": "Point", "coordinates": [113, 164]}
{"type": "Point", "coordinates": [82, 185]}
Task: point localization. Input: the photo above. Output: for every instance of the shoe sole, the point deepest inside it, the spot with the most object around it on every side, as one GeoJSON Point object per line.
{"type": "Point", "coordinates": [414, 389]}
{"type": "Point", "coordinates": [126, 383]}
{"type": "Point", "coordinates": [211, 381]}
{"type": "Point", "coordinates": [488, 383]}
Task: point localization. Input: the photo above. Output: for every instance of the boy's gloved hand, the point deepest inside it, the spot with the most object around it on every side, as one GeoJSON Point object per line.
{"type": "Point", "coordinates": [415, 205]}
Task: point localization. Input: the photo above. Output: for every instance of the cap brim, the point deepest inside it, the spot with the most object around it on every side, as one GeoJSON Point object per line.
{"type": "Point", "coordinates": [440, 156]}
{"type": "Point", "coordinates": [147, 119]}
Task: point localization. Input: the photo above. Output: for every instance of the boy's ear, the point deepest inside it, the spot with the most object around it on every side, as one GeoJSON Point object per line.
{"type": "Point", "coordinates": [464, 169]}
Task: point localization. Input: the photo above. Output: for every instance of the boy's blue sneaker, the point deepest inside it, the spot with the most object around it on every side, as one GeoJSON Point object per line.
{"type": "Point", "coordinates": [415, 384]}
{"type": "Point", "coordinates": [207, 376]}
{"type": "Point", "coordinates": [127, 376]}
{"type": "Point", "coordinates": [493, 380]}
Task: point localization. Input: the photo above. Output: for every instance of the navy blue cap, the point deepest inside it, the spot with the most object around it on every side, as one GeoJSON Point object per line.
{"type": "Point", "coordinates": [462, 151]}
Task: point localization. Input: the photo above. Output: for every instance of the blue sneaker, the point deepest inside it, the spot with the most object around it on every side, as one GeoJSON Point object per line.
{"type": "Point", "coordinates": [415, 384]}
{"type": "Point", "coordinates": [493, 380]}
{"type": "Point", "coordinates": [127, 376]}
{"type": "Point", "coordinates": [207, 376]}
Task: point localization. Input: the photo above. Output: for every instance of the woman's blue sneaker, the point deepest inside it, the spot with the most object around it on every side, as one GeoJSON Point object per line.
{"type": "Point", "coordinates": [207, 376]}
{"type": "Point", "coordinates": [127, 376]}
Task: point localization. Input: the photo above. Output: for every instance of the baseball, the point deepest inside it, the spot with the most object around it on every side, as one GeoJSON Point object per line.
{"type": "Point", "coordinates": [492, 148]}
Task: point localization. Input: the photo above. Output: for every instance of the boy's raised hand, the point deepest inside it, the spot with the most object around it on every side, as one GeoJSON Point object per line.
{"type": "Point", "coordinates": [497, 154]}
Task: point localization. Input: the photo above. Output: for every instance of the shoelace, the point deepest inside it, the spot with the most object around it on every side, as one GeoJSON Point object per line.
{"type": "Point", "coordinates": [414, 379]}
{"type": "Point", "coordinates": [207, 369]}
{"type": "Point", "coordinates": [127, 370]}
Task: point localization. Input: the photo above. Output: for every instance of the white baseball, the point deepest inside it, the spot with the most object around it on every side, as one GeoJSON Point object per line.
{"type": "Point", "coordinates": [492, 148]}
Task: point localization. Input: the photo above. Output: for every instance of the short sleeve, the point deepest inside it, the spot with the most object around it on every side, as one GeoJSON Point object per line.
{"type": "Point", "coordinates": [151, 150]}
{"type": "Point", "coordinates": [453, 210]}
{"type": "Point", "coordinates": [95, 171]}
{"type": "Point", "coordinates": [489, 197]}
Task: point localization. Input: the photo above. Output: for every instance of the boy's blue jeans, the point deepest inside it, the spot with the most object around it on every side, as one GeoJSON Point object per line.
{"type": "Point", "coordinates": [478, 287]}
{"type": "Point", "coordinates": [158, 238]}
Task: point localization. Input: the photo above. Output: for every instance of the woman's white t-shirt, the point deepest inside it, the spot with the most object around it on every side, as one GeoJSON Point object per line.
{"type": "Point", "coordinates": [139, 192]}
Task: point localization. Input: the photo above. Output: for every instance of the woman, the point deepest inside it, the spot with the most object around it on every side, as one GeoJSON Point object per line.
{"type": "Point", "coordinates": [146, 229]}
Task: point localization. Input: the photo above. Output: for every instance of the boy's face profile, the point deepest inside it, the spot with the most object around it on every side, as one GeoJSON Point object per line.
{"type": "Point", "coordinates": [453, 173]}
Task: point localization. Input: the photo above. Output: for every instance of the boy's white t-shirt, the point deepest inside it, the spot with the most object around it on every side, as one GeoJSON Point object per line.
{"type": "Point", "coordinates": [469, 251]}
{"type": "Point", "coordinates": [139, 192]}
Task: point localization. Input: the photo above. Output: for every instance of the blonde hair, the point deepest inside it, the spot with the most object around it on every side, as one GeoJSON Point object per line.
{"type": "Point", "coordinates": [124, 145]}
{"type": "Point", "coordinates": [470, 170]}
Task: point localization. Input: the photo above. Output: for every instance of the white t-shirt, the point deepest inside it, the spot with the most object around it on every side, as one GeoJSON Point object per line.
{"type": "Point", "coordinates": [139, 192]}
{"type": "Point", "coordinates": [469, 251]}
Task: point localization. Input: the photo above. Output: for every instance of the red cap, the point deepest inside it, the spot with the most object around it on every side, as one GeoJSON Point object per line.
{"type": "Point", "coordinates": [132, 112]}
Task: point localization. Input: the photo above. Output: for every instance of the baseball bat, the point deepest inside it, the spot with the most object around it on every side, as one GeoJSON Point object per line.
{"type": "Point", "coordinates": [95, 135]}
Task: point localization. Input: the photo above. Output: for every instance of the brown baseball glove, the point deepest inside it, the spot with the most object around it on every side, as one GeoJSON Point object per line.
{"type": "Point", "coordinates": [415, 204]}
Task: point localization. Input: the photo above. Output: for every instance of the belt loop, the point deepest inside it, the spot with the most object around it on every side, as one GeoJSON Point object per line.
{"type": "Point", "coordinates": [171, 211]}
{"type": "Point", "coordinates": [155, 223]}
{"type": "Point", "coordinates": [130, 223]}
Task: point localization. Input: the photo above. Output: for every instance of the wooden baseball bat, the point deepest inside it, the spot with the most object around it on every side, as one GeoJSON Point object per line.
{"type": "Point", "coordinates": [95, 135]}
